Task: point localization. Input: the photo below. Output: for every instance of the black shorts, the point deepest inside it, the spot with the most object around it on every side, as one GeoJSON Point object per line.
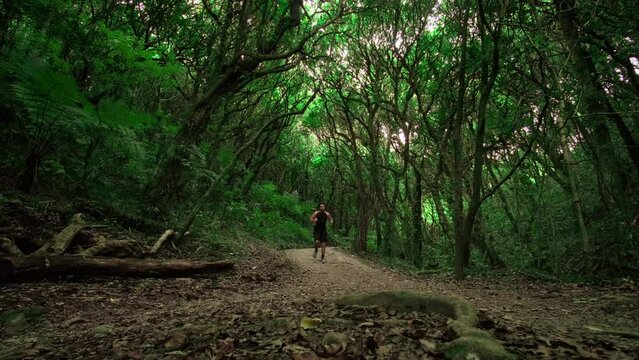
{"type": "Point", "coordinates": [320, 235]}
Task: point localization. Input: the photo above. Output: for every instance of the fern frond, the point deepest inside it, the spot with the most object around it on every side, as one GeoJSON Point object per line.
{"type": "Point", "coordinates": [53, 102]}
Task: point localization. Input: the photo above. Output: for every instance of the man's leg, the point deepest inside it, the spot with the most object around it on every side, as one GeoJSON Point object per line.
{"type": "Point", "coordinates": [324, 240]}
{"type": "Point", "coordinates": [317, 243]}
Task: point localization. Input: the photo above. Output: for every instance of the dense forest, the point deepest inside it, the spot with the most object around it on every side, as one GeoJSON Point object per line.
{"type": "Point", "coordinates": [455, 135]}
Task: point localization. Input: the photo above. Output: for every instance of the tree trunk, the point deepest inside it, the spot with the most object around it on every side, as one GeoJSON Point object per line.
{"type": "Point", "coordinates": [378, 233]}
{"type": "Point", "coordinates": [363, 220]}
{"type": "Point", "coordinates": [418, 234]}
{"type": "Point", "coordinates": [488, 77]}
{"type": "Point", "coordinates": [30, 173]}
{"type": "Point", "coordinates": [441, 214]}
{"type": "Point", "coordinates": [14, 269]}
{"type": "Point", "coordinates": [456, 134]}
{"type": "Point", "coordinates": [346, 221]}
{"type": "Point", "coordinates": [524, 236]}
{"type": "Point", "coordinates": [595, 98]}
{"type": "Point", "coordinates": [389, 223]}
{"type": "Point", "coordinates": [484, 240]}
{"type": "Point", "coordinates": [574, 192]}
{"type": "Point", "coordinates": [221, 175]}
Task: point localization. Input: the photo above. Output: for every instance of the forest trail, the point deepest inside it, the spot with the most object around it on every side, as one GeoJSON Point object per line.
{"type": "Point", "coordinates": [206, 317]}
{"type": "Point", "coordinates": [344, 273]}
{"type": "Point", "coordinates": [551, 313]}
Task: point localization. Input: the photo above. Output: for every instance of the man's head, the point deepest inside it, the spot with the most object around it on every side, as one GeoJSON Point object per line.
{"type": "Point", "coordinates": [322, 206]}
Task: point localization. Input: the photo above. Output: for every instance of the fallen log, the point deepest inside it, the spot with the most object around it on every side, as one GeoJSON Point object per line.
{"type": "Point", "coordinates": [168, 234]}
{"type": "Point", "coordinates": [16, 269]}
{"type": "Point", "coordinates": [117, 248]}
{"type": "Point", "coordinates": [11, 230]}
{"type": "Point", "coordinates": [9, 248]}
{"type": "Point", "coordinates": [63, 239]}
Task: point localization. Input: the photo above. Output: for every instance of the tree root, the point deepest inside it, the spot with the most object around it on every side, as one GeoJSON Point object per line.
{"type": "Point", "coordinates": [620, 333]}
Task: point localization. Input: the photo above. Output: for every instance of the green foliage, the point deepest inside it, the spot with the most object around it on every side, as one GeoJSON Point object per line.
{"type": "Point", "coordinates": [279, 219]}
{"type": "Point", "coordinates": [52, 101]}
{"type": "Point", "coordinates": [151, 107]}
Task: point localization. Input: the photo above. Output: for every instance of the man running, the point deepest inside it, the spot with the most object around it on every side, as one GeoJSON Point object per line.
{"type": "Point", "coordinates": [319, 218]}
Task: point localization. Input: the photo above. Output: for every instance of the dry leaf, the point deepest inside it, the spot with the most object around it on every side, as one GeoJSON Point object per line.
{"type": "Point", "coordinates": [310, 323]}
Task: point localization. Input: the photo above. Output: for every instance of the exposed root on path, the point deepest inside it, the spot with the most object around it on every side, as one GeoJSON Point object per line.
{"type": "Point", "coordinates": [259, 312]}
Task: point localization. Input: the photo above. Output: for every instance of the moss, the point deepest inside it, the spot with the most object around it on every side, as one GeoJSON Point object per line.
{"type": "Point", "coordinates": [470, 343]}
{"type": "Point", "coordinates": [451, 306]}
{"type": "Point", "coordinates": [19, 316]}
{"type": "Point", "coordinates": [481, 347]}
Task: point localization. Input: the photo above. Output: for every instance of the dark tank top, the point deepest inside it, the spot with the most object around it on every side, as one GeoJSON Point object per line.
{"type": "Point", "coordinates": [321, 220]}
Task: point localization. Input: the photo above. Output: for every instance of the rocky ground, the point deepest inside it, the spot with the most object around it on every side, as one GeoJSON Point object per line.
{"type": "Point", "coordinates": [280, 305]}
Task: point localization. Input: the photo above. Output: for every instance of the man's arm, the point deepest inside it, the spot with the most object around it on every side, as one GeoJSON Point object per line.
{"type": "Point", "coordinates": [314, 217]}
{"type": "Point", "coordinates": [328, 215]}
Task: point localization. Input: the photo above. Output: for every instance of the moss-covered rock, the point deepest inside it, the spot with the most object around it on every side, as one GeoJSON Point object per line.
{"type": "Point", "coordinates": [470, 341]}
{"type": "Point", "coordinates": [451, 306]}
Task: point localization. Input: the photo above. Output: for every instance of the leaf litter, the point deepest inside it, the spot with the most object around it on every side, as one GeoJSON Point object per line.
{"type": "Point", "coordinates": [279, 306]}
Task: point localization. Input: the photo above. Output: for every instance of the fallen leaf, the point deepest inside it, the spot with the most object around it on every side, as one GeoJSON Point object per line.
{"type": "Point", "coordinates": [308, 323]}
{"type": "Point", "coordinates": [366, 324]}
{"type": "Point", "coordinates": [384, 350]}
{"type": "Point", "coordinates": [72, 321]}
{"type": "Point", "coordinates": [428, 345]}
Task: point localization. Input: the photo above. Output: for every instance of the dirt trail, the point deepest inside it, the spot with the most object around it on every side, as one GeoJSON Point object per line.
{"type": "Point", "coordinates": [133, 318]}
{"type": "Point", "coordinates": [552, 311]}
{"type": "Point", "coordinates": [344, 273]}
